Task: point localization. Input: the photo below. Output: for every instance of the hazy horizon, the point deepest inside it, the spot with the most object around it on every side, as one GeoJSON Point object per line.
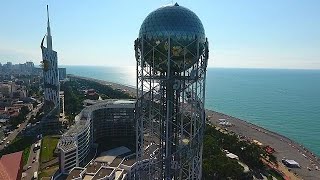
{"type": "Point", "coordinates": [133, 66]}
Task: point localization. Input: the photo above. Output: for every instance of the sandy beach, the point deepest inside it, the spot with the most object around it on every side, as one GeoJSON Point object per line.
{"type": "Point", "coordinates": [130, 90]}
{"type": "Point", "coordinates": [284, 147]}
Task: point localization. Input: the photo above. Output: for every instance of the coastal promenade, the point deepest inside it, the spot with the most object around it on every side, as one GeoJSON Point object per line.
{"type": "Point", "coordinates": [283, 146]}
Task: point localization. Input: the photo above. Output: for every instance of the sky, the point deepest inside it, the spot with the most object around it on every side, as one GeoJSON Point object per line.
{"type": "Point", "coordinates": [241, 33]}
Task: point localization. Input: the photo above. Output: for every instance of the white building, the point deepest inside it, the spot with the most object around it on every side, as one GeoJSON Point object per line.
{"type": "Point", "coordinates": [116, 164]}
{"type": "Point", "coordinates": [61, 96]}
{"type": "Point", "coordinates": [105, 119]}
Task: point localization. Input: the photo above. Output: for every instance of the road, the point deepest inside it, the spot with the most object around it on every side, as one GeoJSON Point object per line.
{"type": "Point", "coordinates": [33, 162]}
{"type": "Point", "coordinates": [15, 132]}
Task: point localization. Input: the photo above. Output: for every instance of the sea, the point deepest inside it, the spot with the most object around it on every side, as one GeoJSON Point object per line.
{"type": "Point", "coordinates": [280, 100]}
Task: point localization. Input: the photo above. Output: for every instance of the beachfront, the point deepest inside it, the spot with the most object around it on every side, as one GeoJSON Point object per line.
{"type": "Point", "coordinates": [284, 147]}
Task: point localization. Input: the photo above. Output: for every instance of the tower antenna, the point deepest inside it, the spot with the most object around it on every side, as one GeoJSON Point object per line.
{"type": "Point", "coordinates": [48, 15]}
{"type": "Point", "coordinates": [49, 38]}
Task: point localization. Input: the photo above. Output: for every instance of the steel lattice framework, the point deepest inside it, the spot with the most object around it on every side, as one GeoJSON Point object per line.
{"type": "Point", "coordinates": [170, 107]}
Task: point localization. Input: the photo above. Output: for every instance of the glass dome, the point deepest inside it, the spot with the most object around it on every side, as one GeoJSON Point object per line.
{"type": "Point", "coordinates": [175, 21]}
{"type": "Point", "coordinates": [187, 38]}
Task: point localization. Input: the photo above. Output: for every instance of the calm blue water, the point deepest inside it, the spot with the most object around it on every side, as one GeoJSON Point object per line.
{"type": "Point", "coordinates": [284, 101]}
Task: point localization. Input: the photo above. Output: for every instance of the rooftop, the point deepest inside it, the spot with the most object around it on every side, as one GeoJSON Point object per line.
{"type": "Point", "coordinates": [10, 165]}
{"type": "Point", "coordinates": [116, 162]}
{"type": "Point", "coordinates": [112, 154]}
{"type": "Point", "coordinates": [98, 170]}
{"type": "Point", "coordinates": [75, 173]}
{"type": "Point", "coordinates": [103, 172]}
{"type": "Point", "coordinates": [94, 167]}
{"type": "Point", "coordinates": [88, 177]}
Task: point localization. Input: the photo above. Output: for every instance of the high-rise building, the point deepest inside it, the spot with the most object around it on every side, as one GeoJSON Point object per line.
{"type": "Point", "coordinates": [62, 73]}
{"type": "Point", "coordinates": [171, 54]}
{"type": "Point", "coordinates": [26, 68]}
{"type": "Point", "coordinates": [51, 83]}
{"type": "Point", "coordinates": [9, 64]}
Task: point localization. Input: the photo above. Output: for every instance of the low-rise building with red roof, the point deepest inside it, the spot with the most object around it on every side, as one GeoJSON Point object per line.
{"type": "Point", "coordinates": [11, 166]}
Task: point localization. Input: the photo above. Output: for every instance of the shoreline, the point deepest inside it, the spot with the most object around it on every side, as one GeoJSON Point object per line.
{"type": "Point", "coordinates": [271, 133]}
{"type": "Point", "coordinates": [284, 146]}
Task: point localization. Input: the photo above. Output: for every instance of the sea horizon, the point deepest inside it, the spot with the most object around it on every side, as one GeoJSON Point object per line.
{"type": "Point", "coordinates": [284, 101]}
{"type": "Point", "coordinates": [209, 67]}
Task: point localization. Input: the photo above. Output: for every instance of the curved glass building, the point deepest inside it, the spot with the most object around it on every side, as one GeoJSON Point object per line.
{"type": "Point", "coordinates": [104, 119]}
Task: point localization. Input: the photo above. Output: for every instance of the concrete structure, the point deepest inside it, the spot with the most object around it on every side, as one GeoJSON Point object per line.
{"type": "Point", "coordinates": [51, 84]}
{"type": "Point", "coordinates": [105, 119]}
{"type": "Point", "coordinates": [26, 68]}
{"type": "Point", "coordinates": [116, 164]}
{"type": "Point", "coordinates": [6, 89]}
{"type": "Point", "coordinates": [97, 171]}
{"type": "Point", "coordinates": [171, 54]}
{"type": "Point", "coordinates": [12, 90]}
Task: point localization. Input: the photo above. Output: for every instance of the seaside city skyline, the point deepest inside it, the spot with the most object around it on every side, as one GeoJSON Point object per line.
{"type": "Point", "coordinates": [171, 116]}
{"type": "Point", "coordinates": [242, 34]}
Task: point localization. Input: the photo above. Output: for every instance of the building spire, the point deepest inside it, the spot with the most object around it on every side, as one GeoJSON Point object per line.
{"type": "Point", "coordinates": [49, 37]}
{"type": "Point", "coordinates": [48, 15]}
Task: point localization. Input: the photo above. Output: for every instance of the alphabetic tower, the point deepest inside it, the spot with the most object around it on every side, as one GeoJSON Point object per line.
{"type": "Point", "coordinates": [171, 54]}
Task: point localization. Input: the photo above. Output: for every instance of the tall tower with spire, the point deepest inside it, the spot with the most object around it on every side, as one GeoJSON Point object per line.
{"type": "Point", "coordinates": [51, 83]}
{"type": "Point", "coordinates": [49, 37]}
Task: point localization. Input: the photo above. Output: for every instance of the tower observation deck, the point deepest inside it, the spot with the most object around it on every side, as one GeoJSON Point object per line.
{"type": "Point", "coordinates": [171, 54]}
